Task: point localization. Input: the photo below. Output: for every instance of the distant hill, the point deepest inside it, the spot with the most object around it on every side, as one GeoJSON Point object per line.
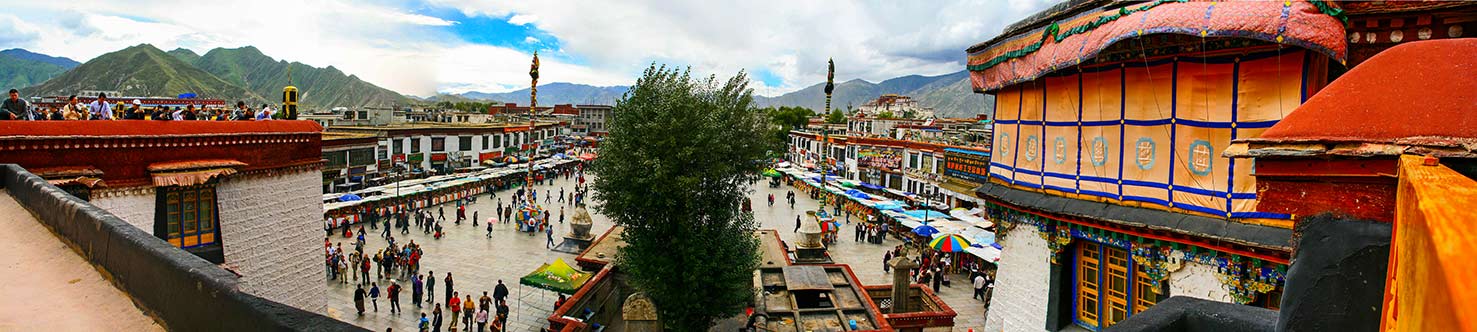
{"type": "Point", "coordinates": [21, 68]}
{"type": "Point", "coordinates": [185, 55]}
{"type": "Point", "coordinates": [950, 95]}
{"type": "Point", "coordinates": [141, 70]}
{"type": "Point", "coordinates": [321, 87]}
{"type": "Point", "coordinates": [556, 93]}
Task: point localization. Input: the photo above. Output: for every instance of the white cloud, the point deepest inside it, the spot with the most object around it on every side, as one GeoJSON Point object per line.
{"type": "Point", "coordinates": [522, 19]}
{"type": "Point", "coordinates": [872, 41]}
{"type": "Point", "coordinates": [385, 44]}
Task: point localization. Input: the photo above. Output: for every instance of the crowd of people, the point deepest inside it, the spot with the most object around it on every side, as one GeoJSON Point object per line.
{"type": "Point", "coordinates": [380, 274]}
{"type": "Point", "coordinates": [101, 108]}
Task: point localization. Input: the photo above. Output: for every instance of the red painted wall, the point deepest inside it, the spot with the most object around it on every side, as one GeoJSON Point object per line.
{"type": "Point", "coordinates": [124, 149]}
{"type": "Point", "coordinates": [1372, 201]}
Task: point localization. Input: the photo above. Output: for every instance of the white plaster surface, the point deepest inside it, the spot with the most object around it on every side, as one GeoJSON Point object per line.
{"type": "Point", "coordinates": [272, 235]}
{"type": "Point", "coordinates": [1021, 283]}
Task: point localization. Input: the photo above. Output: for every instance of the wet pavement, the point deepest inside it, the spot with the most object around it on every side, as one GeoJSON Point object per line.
{"type": "Point", "coordinates": [477, 262]}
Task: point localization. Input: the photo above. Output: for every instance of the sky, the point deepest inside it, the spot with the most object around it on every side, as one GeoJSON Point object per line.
{"type": "Point", "coordinates": [424, 47]}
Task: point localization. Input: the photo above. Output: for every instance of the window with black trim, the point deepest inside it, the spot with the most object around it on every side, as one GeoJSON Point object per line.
{"type": "Point", "coordinates": [464, 143]}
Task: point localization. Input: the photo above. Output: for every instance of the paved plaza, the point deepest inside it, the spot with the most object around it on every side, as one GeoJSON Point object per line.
{"type": "Point", "coordinates": [476, 262]}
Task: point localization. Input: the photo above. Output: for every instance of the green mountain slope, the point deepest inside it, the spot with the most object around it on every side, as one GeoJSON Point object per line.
{"type": "Point", "coordinates": [185, 55]}
{"type": "Point", "coordinates": [142, 70]}
{"type": "Point", "coordinates": [20, 68]}
{"type": "Point", "coordinates": [320, 87]}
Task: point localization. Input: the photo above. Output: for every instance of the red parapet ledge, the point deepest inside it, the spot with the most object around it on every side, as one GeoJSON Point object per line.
{"type": "Point", "coordinates": [123, 149]}
{"type": "Point", "coordinates": [127, 128]}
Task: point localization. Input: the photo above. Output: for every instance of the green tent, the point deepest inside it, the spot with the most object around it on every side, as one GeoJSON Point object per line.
{"type": "Point", "coordinates": [557, 276]}
{"type": "Point", "coordinates": [772, 173]}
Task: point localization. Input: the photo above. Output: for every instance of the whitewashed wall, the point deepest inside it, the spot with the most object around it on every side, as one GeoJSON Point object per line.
{"type": "Point", "coordinates": [272, 234]}
{"type": "Point", "coordinates": [1021, 283]}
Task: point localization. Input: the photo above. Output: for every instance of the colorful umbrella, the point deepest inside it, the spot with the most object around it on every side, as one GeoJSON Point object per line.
{"type": "Point", "coordinates": [949, 243]}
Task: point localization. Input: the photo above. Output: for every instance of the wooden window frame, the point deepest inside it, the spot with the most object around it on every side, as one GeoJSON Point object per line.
{"type": "Point", "coordinates": [188, 217]}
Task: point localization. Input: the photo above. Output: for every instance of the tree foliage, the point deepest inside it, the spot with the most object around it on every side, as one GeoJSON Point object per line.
{"type": "Point", "coordinates": [836, 117]}
{"type": "Point", "coordinates": [886, 115]}
{"type": "Point", "coordinates": [785, 119]}
{"type": "Point", "coordinates": [673, 172]}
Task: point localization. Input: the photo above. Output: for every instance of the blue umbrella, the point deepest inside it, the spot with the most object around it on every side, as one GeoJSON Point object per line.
{"type": "Point", "coordinates": [871, 186]}
{"type": "Point", "coordinates": [349, 198]}
{"type": "Point", "coordinates": [925, 231]}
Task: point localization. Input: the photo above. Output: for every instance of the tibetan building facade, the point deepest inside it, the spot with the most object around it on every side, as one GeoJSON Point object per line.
{"type": "Point", "coordinates": [242, 195]}
{"type": "Point", "coordinates": [1107, 178]}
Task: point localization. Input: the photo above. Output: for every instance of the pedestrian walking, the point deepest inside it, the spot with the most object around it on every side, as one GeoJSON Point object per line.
{"type": "Point", "coordinates": [979, 287]}
{"type": "Point", "coordinates": [374, 296]}
{"type": "Point", "coordinates": [549, 231]}
{"type": "Point", "coordinates": [455, 304]}
{"type": "Point", "coordinates": [359, 294]}
{"type": "Point", "coordinates": [797, 224]}
{"type": "Point", "coordinates": [500, 292]}
{"type": "Point", "coordinates": [394, 294]}
{"type": "Point", "coordinates": [887, 262]}
{"type": "Point", "coordinates": [482, 319]}
{"type": "Point", "coordinates": [469, 309]}
{"type": "Point", "coordinates": [436, 318]}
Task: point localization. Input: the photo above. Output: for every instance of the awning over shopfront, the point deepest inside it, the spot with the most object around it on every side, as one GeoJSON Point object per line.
{"type": "Point", "coordinates": [193, 172]}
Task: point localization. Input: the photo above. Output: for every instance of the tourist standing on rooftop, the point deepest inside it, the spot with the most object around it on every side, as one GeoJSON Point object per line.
{"type": "Point", "coordinates": [101, 110]}
{"type": "Point", "coordinates": [134, 112]}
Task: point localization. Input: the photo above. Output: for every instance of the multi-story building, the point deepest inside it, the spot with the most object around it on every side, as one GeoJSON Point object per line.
{"type": "Point", "coordinates": [897, 105]}
{"type": "Point", "coordinates": [1106, 179]}
{"type": "Point", "coordinates": [593, 120]}
{"type": "Point", "coordinates": [444, 147]}
{"type": "Point", "coordinates": [348, 160]}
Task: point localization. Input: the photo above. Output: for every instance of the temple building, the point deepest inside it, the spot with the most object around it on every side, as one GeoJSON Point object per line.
{"type": "Point", "coordinates": [239, 195]}
{"type": "Point", "coordinates": [1106, 176]}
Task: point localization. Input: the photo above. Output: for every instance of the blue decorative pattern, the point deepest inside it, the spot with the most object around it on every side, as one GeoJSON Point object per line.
{"type": "Point", "coordinates": [1144, 153]}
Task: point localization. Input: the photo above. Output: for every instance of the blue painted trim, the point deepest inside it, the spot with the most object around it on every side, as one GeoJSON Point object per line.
{"type": "Point", "coordinates": [1156, 122]}
{"type": "Point", "coordinates": [1146, 199]}
{"type": "Point", "coordinates": [1122, 113]}
{"type": "Point", "coordinates": [1064, 189]}
{"type": "Point", "coordinates": [1138, 183]}
{"type": "Point", "coordinates": [1235, 97]}
{"type": "Point", "coordinates": [1099, 179]}
{"type": "Point", "coordinates": [1174, 101]}
{"type": "Point", "coordinates": [1015, 158]}
{"type": "Point", "coordinates": [1042, 148]}
{"type": "Point", "coordinates": [1159, 122]}
{"type": "Point", "coordinates": [1263, 215]}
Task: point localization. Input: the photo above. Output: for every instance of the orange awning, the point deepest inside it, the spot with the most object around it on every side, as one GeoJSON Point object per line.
{"type": "Point", "coordinates": [81, 180]}
{"type": "Point", "coordinates": [192, 172]}
{"type": "Point", "coordinates": [190, 178]}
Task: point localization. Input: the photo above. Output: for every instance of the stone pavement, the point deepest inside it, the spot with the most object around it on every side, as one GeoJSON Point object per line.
{"type": "Point", "coordinates": [477, 262]}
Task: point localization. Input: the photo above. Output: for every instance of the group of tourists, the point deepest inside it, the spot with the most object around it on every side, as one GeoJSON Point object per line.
{"type": "Point", "coordinates": [101, 108]}
{"type": "Point", "coordinates": [455, 310]}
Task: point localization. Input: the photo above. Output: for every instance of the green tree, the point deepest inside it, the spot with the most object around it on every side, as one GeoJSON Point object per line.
{"type": "Point", "coordinates": [785, 119]}
{"type": "Point", "coordinates": [673, 172]}
{"type": "Point", "coordinates": [836, 117]}
{"type": "Point", "coordinates": [886, 115]}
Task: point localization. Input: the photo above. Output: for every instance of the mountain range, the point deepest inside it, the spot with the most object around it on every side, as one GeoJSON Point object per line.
{"type": "Point", "coordinates": [950, 95]}
{"type": "Point", "coordinates": [20, 68]}
{"type": "Point", "coordinates": [232, 74]}
{"type": "Point", "coordinates": [246, 74]}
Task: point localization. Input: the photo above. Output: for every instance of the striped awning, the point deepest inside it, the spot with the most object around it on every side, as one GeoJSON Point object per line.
{"type": "Point", "coordinates": [192, 172]}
